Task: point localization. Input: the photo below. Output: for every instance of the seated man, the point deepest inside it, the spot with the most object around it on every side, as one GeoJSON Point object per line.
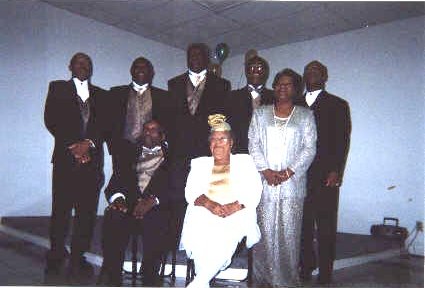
{"type": "Point", "coordinates": [222, 192]}
{"type": "Point", "coordinates": [137, 191]}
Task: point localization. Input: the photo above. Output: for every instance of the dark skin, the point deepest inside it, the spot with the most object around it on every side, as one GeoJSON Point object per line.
{"type": "Point", "coordinates": [81, 67]}
{"type": "Point", "coordinates": [315, 78]}
{"type": "Point", "coordinates": [152, 136]}
{"type": "Point", "coordinates": [284, 91]}
{"type": "Point", "coordinates": [256, 73]}
{"type": "Point", "coordinates": [141, 71]}
{"type": "Point", "coordinates": [197, 60]}
{"type": "Point", "coordinates": [220, 146]}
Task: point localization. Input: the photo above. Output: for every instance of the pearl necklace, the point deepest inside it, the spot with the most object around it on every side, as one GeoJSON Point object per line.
{"type": "Point", "coordinates": [287, 120]}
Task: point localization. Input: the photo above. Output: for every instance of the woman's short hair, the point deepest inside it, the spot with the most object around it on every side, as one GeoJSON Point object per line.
{"type": "Point", "coordinates": [297, 80]}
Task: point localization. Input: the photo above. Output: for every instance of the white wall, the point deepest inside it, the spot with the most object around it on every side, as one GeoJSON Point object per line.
{"type": "Point", "coordinates": [380, 71]}
{"type": "Point", "coordinates": [37, 42]}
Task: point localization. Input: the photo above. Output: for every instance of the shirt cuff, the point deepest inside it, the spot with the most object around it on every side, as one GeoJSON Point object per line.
{"type": "Point", "coordinates": [156, 201]}
{"type": "Point", "coordinates": [115, 196]}
{"type": "Point", "coordinates": [91, 143]}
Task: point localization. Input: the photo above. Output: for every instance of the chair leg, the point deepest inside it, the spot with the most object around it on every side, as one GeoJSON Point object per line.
{"type": "Point", "coordinates": [163, 262]}
{"type": "Point", "coordinates": [173, 265]}
{"type": "Point", "coordinates": [134, 249]}
{"type": "Point", "coordinates": [190, 271]}
{"type": "Point", "coordinates": [249, 274]}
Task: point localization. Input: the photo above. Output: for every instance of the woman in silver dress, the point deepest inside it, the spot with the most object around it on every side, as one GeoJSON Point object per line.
{"type": "Point", "coordinates": [282, 142]}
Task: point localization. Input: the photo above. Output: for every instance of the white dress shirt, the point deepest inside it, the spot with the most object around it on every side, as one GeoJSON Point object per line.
{"type": "Point", "coordinates": [82, 88]}
{"type": "Point", "coordinates": [140, 88]}
{"type": "Point", "coordinates": [197, 78]}
{"type": "Point", "coordinates": [311, 96]}
{"type": "Point", "coordinates": [254, 90]}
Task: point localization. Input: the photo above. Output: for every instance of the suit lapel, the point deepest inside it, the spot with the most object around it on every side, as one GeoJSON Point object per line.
{"type": "Point", "coordinates": [318, 100]}
{"type": "Point", "coordinates": [123, 107]}
{"type": "Point", "coordinates": [74, 99]}
{"type": "Point", "coordinates": [247, 100]}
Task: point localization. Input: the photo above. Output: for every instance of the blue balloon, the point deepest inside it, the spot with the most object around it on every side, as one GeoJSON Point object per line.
{"type": "Point", "coordinates": [221, 52]}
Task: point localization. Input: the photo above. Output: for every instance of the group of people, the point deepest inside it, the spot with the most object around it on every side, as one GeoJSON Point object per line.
{"type": "Point", "coordinates": [199, 167]}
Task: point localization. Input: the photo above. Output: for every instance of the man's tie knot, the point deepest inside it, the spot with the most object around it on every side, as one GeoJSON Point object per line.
{"type": "Point", "coordinates": [257, 89]}
{"type": "Point", "coordinates": [155, 151]}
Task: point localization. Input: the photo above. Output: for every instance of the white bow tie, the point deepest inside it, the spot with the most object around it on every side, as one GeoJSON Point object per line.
{"type": "Point", "coordinates": [151, 151]}
{"type": "Point", "coordinates": [140, 89]}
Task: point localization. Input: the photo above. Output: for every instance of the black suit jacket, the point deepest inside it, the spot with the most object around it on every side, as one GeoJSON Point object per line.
{"type": "Point", "coordinates": [123, 152]}
{"type": "Point", "coordinates": [333, 124]}
{"type": "Point", "coordinates": [124, 180]}
{"type": "Point", "coordinates": [189, 134]}
{"type": "Point", "coordinates": [118, 98]}
{"type": "Point", "coordinates": [239, 113]}
{"type": "Point", "coordinates": [62, 118]}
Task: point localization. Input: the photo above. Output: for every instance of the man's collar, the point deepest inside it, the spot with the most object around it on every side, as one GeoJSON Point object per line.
{"type": "Point", "coordinates": [318, 91]}
{"type": "Point", "coordinates": [252, 87]}
{"type": "Point", "coordinates": [202, 73]}
{"type": "Point", "coordinates": [311, 96]}
{"type": "Point", "coordinates": [138, 87]}
{"type": "Point", "coordinates": [78, 81]}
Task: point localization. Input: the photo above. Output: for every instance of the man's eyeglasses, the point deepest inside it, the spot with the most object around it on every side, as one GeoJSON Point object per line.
{"type": "Point", "coordinates": [255, 68]}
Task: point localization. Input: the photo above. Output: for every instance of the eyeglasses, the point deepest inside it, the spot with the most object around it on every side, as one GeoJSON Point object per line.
{"type": "Point", "coordinates": [255, 68]}
{"type": "Point", "coordinates": [221, 140]}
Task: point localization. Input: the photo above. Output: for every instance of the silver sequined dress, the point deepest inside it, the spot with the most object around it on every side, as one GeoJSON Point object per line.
{"type": "Point", "coordinates": [278, 144]}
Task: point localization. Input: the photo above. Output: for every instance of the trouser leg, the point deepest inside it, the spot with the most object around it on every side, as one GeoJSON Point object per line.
{"type": "Point", "coordinates": [62, 204]}
{"type": "Point", "coordinates": [84, 221]}
{"type": "Point", "coordinates": [154, 238]}
{"type": "Point", "coordinates": [327, 229]}
{"type": "Point", "coordinates": [115, 237]}
{"type": "Point", "coordinates": [307, 261]}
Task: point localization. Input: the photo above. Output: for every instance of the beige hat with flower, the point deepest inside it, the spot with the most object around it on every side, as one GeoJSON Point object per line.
{"type": "Point", "coordinates": [218, 123]}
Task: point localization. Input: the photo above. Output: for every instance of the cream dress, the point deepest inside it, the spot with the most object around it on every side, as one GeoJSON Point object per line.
{"type": "Point", "coordinates": [209, 239]}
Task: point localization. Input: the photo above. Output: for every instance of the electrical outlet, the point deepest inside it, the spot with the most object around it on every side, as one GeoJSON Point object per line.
{"type": "Point", "coordinates": [419, 226]}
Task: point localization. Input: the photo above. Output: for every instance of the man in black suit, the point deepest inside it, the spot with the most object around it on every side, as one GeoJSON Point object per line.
{"type": "Point", "coordinates": [130, 108]}
{"type": "Point", "coordinates": [195, 95]}
{"type": "Point", "coordinates": [139, 188]}
{"type": "Point", "coordinates": [74, 115]}
{"type": "Point", "coordinates": [132, 105]}
{"type": "Point", "coordinates": [242, 102]}
{"type": "Point", "coordinates": [325, 174]}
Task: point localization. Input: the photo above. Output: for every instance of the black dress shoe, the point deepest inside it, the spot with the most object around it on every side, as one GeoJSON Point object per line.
{"type": "Point", "coordinates": [106, 280]}
{"type": "Point", "coordinates": [55, 261]}
{"type": "Point", "coordinates": [54, 267]}
{"type": "Point", "coordinates": [305, 276]}
{"type": "Point", "coordinates": [80, 267]}
{"type": "Point", "coordinates": [324, 279]}
{"type": "Point", "coordinates": [325, 274]}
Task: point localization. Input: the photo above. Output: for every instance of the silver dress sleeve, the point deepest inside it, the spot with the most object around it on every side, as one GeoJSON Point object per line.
{"type": "Point", "coordinates": [303, 160]}
{"type": "Point", "coordinates": [255, 145]}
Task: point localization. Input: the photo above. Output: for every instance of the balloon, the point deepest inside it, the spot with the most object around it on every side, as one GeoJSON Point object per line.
{"type": "Point", "coordinates": [250, 53]}
{"type": "Point", "coordinates": [221, 52]}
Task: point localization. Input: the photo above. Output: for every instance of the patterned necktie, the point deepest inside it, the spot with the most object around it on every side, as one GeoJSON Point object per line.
{"type": "Point", "coordinates": [197, 80]}
{"type": "Point", "coordinates": [194, 96]}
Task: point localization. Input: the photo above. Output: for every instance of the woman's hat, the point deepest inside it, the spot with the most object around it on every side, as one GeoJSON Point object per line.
{"type": "Point", "coordinates": [218, 123]}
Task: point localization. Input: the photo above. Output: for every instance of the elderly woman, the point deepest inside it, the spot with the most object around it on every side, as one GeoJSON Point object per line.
{"type": "Point", "coordinates": [282, 142]}
{"type": "Point", "coordinates": [222, 192]}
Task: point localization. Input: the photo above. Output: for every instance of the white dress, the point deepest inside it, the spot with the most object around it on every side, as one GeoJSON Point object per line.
{"type": "Point", "coordinates": [211, 240]}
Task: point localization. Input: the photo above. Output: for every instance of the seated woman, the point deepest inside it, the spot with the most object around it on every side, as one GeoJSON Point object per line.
{"type": "Point", "coordinates": [222, 192]}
